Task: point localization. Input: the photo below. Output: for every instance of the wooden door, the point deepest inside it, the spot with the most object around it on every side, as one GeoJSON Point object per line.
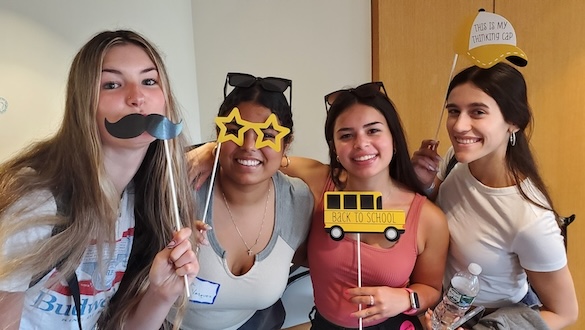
{"type": "Point", "coordinates": [412, 54]}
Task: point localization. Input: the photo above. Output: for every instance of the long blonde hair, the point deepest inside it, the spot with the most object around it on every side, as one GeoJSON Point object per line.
{"type": "Point", "coordinates": [70, 165]}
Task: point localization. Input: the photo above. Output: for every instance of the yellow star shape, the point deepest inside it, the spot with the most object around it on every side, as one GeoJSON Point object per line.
{"type": "Point", "coordinates": [221, 122]}
{"type": "Point", "coordinates": [245, 125]}
{"type": "Point", "coordinates": [282, 132]}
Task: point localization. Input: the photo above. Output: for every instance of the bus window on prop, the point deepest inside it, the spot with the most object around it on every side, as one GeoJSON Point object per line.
{"type": "Point", "coordinates": [361, 212]}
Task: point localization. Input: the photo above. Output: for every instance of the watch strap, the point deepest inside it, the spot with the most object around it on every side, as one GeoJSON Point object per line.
{"type": "Point", "coordinates": [414, 303]}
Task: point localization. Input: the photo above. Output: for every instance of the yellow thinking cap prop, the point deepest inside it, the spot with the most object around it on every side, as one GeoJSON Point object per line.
{"type": "Point", "coordinates": [243, 126]}
{"type": "Point", "coordinates": [487, 39]}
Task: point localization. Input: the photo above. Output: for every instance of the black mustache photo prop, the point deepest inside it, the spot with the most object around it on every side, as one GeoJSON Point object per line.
{"type": "Point", "coordinates": [132, 125]}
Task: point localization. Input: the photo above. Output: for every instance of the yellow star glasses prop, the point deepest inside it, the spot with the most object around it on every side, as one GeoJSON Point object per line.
{"type": "Point", "coordinates": [233, 127]}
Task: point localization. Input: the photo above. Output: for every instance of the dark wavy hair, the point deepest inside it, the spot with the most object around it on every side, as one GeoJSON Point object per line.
{"type": "Point", "coordinates": [401, 168]}
{"type": "Point", "coordinates": [506, 85]}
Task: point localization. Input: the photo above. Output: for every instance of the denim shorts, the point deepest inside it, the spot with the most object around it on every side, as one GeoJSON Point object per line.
{"type": "Point", "coordinates": [531, 299]}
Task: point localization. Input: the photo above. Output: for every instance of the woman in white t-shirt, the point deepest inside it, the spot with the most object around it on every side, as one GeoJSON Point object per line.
{"type": "Point", "coordinates": [499, 212]}
{"type": "Point", "coordinates": [86, 225]}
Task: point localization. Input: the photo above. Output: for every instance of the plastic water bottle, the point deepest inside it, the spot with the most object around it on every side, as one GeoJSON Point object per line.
{"type": "Point", "coordinates": [462, 291]}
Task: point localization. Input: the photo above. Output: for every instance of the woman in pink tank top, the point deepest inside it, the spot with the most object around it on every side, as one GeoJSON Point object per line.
{"type": "Point", "coordinates": [400, 278]}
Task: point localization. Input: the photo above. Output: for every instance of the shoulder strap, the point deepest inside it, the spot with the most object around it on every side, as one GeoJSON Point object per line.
{"type": "Point", "coordinates": [72, 281]}
{"type": "Point", "coordinates": [450, 165]}
{"type": "Point", "coordinates": [565, 222]}
{"type": "Point", "coordinates": [74, 288]}
{"type": "Point", "coordinates": [56, 230]}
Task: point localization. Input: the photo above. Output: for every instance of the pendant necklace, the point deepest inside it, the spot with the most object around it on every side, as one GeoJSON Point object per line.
{"type": "Point", "coordinates": [249, 248]}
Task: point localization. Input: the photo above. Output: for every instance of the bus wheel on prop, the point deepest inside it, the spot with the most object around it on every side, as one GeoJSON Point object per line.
{"type": "Point", "coordinates": [336, 233]}
{"type": "Point", "coordinates": [391, 234]}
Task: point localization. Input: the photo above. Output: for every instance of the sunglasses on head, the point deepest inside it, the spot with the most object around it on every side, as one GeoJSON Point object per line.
{"type": "Point", "coordinates": [370, 89]}
{"type": "Point", "coordinates": [271, 84]}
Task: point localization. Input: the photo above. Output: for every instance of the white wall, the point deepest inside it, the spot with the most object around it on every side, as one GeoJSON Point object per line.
{"type": "Point", "coordinates": [39, 38]}
{"type": "Point", "coordinates": [322, 45]}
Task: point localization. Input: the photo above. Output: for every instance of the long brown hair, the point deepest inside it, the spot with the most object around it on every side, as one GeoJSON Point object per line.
{"type": "Point", "coordinates": [506, 85]}
{"type": "Point", "coordinates": [70, 166]}
{"type": "Point", "coordinates": [400, 168]}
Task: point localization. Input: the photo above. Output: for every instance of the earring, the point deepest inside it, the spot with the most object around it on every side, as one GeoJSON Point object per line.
{"type": "Point", "coordinates": [337, 159]}
{"type": "Point", "coordinates": [287, 161]}
{"type": "Point", "coordinates": [513, 139]}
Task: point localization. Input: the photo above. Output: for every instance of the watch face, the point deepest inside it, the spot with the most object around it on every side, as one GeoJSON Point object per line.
{"type": "Point", "coordinates": [414, 300]}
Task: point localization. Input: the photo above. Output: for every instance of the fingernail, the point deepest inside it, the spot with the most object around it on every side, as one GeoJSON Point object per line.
{"type": "Point", "coordinates": [171, 244]}
{"type": "Point", "coordinates": [208, 227]}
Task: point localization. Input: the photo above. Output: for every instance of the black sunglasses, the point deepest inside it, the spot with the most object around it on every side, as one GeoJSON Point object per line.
{"type": "Point", "coordinates": [370, 89]}
{"type": "Point", "coordinates": [271, 84]}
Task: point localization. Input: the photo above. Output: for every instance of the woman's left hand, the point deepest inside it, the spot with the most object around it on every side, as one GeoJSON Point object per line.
{"type": "Point", "coordinates": [379, 302]}
{"type": "Point", "coordinates": [171, 264]}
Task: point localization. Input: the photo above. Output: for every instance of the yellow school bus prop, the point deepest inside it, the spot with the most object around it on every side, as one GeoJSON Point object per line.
{"type": "Point", "coordinates": [361, 212]}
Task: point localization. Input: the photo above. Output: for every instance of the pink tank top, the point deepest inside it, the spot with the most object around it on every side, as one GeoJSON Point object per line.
{"type": "Point", "coordinates": [333, 264]}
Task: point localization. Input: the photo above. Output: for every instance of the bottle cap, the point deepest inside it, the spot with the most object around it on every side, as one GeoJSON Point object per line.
{"type": "Point", "coordinates": [474, 269]}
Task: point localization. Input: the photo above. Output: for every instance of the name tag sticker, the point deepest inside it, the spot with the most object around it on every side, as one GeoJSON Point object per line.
{"type": "Point", "coordinates": [203, 291]}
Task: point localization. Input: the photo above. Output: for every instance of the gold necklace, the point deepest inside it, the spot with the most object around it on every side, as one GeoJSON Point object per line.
{"type": "Point", "coordinates": [238, 229]}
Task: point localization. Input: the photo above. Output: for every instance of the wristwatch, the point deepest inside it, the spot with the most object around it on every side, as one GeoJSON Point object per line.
{"type": "Point", "coordinates": [414, 304]}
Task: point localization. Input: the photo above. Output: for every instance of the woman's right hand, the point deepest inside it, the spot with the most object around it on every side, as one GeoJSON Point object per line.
{"type": "Point", "coordinates": [171, 264]}
{"type": "Point", "coordinates": [200, 163]}
{"type": "Point", "coordinates": [426, 162]}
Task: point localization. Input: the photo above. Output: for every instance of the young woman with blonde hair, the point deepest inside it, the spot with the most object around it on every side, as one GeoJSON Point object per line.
{"type": "Point", "coordinates": [85, 218]}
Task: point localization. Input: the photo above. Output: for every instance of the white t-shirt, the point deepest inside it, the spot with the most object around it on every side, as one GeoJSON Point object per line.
{"type": "Point", "coordinates": [54, 308]}
{"type": "Point", "coordinates": [502, 232]}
